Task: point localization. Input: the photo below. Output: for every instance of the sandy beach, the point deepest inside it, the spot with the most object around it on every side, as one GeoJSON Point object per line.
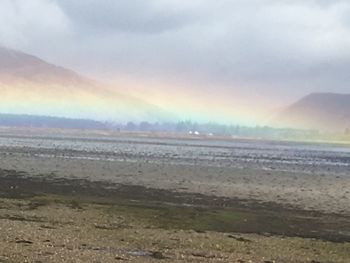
{"type": "Point", "coordinates": [61, 203]}
{"type": "Point", "coordinates": [219, 170]}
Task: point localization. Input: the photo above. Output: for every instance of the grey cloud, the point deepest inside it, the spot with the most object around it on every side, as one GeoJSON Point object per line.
{"type": "Point", "coordinates": [290, 47]}
{"type": "Point", "coordinates": [25, 23]}
{"type": "Point", "coordinates": [108, 16]}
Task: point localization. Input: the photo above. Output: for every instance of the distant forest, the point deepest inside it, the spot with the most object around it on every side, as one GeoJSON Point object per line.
{"type": "Point", "coordinates": [215, 129]}
{"type": "Point", "coordinates": [183, 127]}
{"type": "Point", "coordinates": [14, 120]}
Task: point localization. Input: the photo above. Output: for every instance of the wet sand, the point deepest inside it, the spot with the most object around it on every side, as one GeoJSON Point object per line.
{"type": "Point", "coordinates": [328, 193]}
{"type": "Point", "coordinates": [69, 205]}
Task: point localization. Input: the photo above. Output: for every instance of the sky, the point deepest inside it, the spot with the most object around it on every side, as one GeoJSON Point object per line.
{"type": "Point", "coordinates": [241, 58]}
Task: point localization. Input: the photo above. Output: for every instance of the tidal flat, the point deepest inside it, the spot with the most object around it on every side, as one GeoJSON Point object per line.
{"type": "Point", "coordinates": [69, 199]}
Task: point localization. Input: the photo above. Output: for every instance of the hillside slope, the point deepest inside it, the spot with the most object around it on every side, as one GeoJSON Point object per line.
{"type": "Point", "coordinates": [29, 85]}
{"type": "Point", "coordinates": [322, 111]}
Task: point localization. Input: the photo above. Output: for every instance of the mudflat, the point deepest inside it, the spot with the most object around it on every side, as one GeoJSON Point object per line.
{"type": "Point", "coordinates": [69, 199]}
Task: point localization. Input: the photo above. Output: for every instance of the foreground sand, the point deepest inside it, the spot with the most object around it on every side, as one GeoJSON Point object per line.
{"type": "Point", "coordinates": [65, 231]}
{"type": "Point", "coordinates": [60, 220]}
{"type": "Point", "coordinates": [59, 205]}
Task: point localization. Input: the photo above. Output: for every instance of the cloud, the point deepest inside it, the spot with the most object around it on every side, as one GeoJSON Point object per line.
{"type": "Point", "coordinates": [24, 22]}
{"type": "Point", "coordinates": [278, 47]}
{"type": "Point", "coordinates": [108, 16]}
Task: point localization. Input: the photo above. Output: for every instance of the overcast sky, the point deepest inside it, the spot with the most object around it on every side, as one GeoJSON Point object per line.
{"type": "Point", "coordinates": [278, 48]}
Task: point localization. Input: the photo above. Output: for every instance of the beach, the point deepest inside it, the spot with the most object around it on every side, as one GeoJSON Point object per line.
{"type": "Point", "coordinates": [68, 198]}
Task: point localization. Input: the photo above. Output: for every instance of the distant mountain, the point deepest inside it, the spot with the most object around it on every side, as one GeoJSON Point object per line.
{"type": "Point", "coordinates": [29, 85]}
{"type": "Point", "coordinates": [13, 120]}
{"type": "Point", "coordinates": [322, 111]}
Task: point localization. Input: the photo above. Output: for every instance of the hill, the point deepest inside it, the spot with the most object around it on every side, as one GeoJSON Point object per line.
{"type": "Point", "coordinates": [29, 85]}
{"type": "Point", "coordinates": [322, 111]}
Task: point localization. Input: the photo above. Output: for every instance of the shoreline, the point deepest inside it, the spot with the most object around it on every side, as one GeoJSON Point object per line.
{"type": "Point", "coordinates": [96, 200]}
{"type": "Point", "coordinates": [74, 133]}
